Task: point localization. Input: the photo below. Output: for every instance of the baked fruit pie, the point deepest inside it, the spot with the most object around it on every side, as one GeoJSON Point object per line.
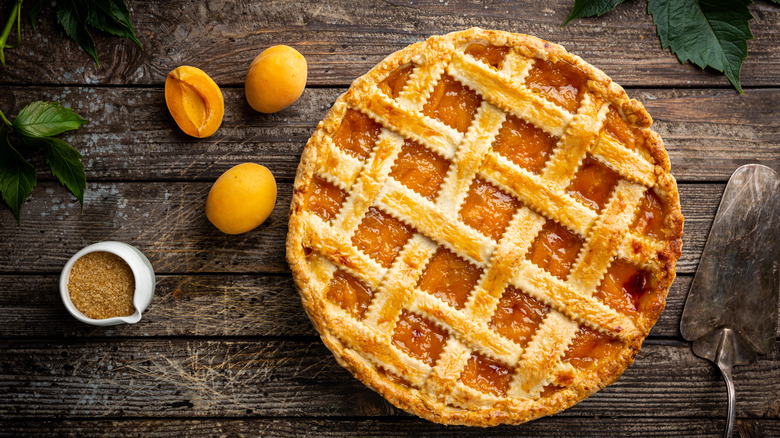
{"type": "Point", "coordinates": [484, 228]}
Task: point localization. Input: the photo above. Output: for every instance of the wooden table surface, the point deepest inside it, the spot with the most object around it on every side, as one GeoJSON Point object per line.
{"type": "Point", "coordinates": [225, 347]}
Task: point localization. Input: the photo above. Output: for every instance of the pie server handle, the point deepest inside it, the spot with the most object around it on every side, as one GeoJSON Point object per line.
{"type": "Point", "coordinates": [726, 348]}
{"type": "Point", "coordinates": [732, 414]}
{"type": "Point", "coordinates": [724, 359]}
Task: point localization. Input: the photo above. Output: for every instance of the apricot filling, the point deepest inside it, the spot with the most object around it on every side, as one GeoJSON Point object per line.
{"type": "Point", "coordinates": [651, 216]}
{"type": "Point", "coordinates": [593, 183]}
{"type": "Point", "coordinates": [623, 287]}
{"type": "Point", "coordinates": [616, 126]}
{"type": "Point", "coordinates": [559, 81]}
{"type": "Point", "coordinates": [524, 144]}
{"type": "Point", "coordinates": [555, 249]}
{"type": "Point", "coordinates": [357, 134]}
{"type": "Point", "coordinates": [453, 103]}
{"type": "Point", "coordinates": [420, 169]}
{"type": "Point", "coordinates": [449, 277]}
{"type": "Point", "coordinates": [487, 209]}
{"type": "Point", "coordinates": [492, 55]}
{"type": "Point", "coordinates": [518, 315]}
{"type": "Point", "coordinates": [486, 375]}
{"type": "Point", "coordinates": [324, 199]}
{"type": "Point", "coordinates": [549, 390]}
{"type": "Point", "coordinates": [419, 337]}
{"type": "Point", "coordinates": [380, 236]}
{"type": "Point", "coordinates": [349, 293]}
{"type": "Point", "coordinates": [395, 82]}
{"type": "Point", "coordinates": [588, 347]}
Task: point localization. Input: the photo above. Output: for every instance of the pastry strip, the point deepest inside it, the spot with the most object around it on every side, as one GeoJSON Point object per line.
{"type": "Point", "coordinates": [509, 95]}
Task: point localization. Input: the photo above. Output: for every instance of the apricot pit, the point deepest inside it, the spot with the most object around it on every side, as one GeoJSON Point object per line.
{"type": "Point", "coordinates": [194, 100]}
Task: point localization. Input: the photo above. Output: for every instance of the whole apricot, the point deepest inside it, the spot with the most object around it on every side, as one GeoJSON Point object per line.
{"type": "Point", "coordinates": [276, 79]}
{"type": "Point", "coordinates": [241, 199]}
{"type": "Point", "coordinates": [194, 100]}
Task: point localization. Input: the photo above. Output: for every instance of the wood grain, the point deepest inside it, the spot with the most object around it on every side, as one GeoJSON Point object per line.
{"type": "Point", "coordinates": [132, 137]}
{"type": "Point", "coordinates": [205, 378]}
{"type": "Point", "coordinates": [343, 39]}
{"type": "Point", "coordinates": [206, 305]}
{"type": "Point", "coordinates": [393, 427]}
{"type": "Point", "coordinates": [183, 305]}
{"type": "Point", "coordinates": [166, 221]}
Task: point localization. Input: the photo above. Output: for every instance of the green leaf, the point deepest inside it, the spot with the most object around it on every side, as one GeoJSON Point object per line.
{"type": "Point", "coordinates": [113, 17]}
{"type": "Point", "coordinates": [110, 16]}
{"type": "Point", "coordinates": [44, 119]}
{"type": "Point", "coordinates": [711, 33]}
{"type": "Point", "coordinates": [73, 18]}
{"type": "Point", "coordinates": [36, 9]}
{"type": "Point", "coordinates": [589, 8]}
{"type": "Point", "coordinates": [17, 176]}
{"type": "Point", "coordinates": [65, 163]}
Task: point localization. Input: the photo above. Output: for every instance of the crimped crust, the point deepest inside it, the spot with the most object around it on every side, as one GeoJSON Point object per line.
{"type": "Point", "coordinates": [315, 248]}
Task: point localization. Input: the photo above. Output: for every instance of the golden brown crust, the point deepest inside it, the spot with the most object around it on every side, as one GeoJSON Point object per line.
{"type": "Point", "coordinates": [366, 353]}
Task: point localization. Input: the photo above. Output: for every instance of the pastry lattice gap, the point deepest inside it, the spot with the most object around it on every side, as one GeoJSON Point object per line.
{"type": "Point", "coordinates": [474, 180]}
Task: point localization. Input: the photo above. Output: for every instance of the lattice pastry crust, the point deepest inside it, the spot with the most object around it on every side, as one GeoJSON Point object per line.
{"type": "Point", "coordinates": [484, 228]}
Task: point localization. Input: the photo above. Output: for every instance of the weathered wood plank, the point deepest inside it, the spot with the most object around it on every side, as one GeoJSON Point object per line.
{"type": "Point", "coordinates": [167, 222]}
{"type": "Point", "coordinates": [131, 136]}
{"type": "Point", "coordinates": [195, 378]}
{"type": "Point", "coordinates": [206, 305]}
{"type": "Point", "coordinates": [343, 39]}
{"type": "Point", "coordinates": [315, 427]}
{"type": "Point", "coordinates": [183, 305]}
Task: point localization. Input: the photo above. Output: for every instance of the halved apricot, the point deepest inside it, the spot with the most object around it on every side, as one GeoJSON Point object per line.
{"type": "Point", "coordinates": [194, 100]}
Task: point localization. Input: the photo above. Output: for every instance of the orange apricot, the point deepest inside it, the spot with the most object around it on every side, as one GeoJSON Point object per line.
{"type": "Point", "coordinates": [242, 198]}
{"type": "Point", "coordinates": [275, 79]}
{"type": "Point", "coordinates": [194, 100]}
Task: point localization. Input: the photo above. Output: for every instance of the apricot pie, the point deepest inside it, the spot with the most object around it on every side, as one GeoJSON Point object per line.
{"type": "Point", "coordinates": [484, 228]}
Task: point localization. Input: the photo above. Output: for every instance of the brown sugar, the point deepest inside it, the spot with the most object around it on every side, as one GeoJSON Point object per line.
{"type": "Point", "coordinates": [102, 285]}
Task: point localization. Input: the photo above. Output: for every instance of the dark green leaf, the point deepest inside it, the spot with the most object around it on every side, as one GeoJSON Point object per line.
{"type": "Point", "coordinates": [589, 8]}
{"type": "Point", "coordinates": [65, 163]}
{"type": "Point", "coordinates": [710, 33]}
{"type": "Point", "coordinates": [112, 16]}
{"type": "Point", "coordinates": [73, 18]}
{"type": "Point", "coordinates": [17, 176]}
{"type": "Point", "coordinates": [36, 9]}
{"type": "Point", "coordinates": [44, 119]}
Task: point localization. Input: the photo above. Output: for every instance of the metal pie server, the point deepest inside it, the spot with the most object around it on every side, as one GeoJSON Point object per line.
{"type": "Point", "coordinates": [731, 310]}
